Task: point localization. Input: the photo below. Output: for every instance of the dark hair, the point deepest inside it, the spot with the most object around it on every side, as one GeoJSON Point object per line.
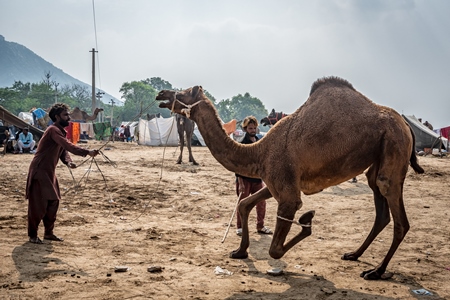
{"type": "Point", "coordinates": [56, 109]}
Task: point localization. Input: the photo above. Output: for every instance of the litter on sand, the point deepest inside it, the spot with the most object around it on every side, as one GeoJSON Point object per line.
{"type": "Point", "coordinates": [219, 271]}
{"type": "Point", "coordinates": [423, 292]}
{"type": "Point", "coordinates": [275, 272]}
{"type": "Point", "coordinates": [121, 269]}
{"type": "Point", "coordinates": [154, 269]}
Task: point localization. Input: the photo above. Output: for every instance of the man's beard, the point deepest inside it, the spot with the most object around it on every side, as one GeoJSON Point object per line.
{"type": "Point", "coordinates": [251, 134]}
{"type": "Point", "coordinates": [64, 123]}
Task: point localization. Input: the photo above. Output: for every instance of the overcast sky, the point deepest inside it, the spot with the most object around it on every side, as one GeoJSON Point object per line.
{"type": "Point", "coordinates": [396, 52]}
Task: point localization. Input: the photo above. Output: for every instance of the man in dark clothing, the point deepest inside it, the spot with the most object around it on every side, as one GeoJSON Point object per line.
{"type": "Point", "coordinates": [42, 190]}
{"type": "Point", "coordinates": [246, 186]}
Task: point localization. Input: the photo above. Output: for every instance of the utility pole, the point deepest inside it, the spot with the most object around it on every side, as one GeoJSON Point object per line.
{"type": "Point", "coordinates": [112, 111]}
{"type": "Point", "coordinates": [93, 79]}
{"type": "Point", "coordinates": [99, 96]}
{"type": "Point", "coordinates": [56, 91]}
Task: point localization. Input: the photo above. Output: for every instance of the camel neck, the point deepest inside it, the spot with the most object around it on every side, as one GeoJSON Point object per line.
{"type": "Point", "coordinates": [235, 157]}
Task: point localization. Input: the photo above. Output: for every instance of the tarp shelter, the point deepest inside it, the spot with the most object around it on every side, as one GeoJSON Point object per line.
{"type": "Point", "coordinates": [158, 132]}
{"type": "Point", "coordinates": [425, 137]}
{"type": "Point", "coordinates": [11, 119]}
{"type": "Point", "coordinates": [27, 117]}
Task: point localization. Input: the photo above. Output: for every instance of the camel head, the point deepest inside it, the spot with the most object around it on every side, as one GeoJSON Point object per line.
{"type": "Point", "coordinates": [265, 121]}
{"type": "Point", "coordinates": [178, 101]}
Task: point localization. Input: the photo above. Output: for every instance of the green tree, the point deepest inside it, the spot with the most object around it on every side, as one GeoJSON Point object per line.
{"type": "Point", "coordinates": [241, 106]}
{"type": "Point", "coordinates": [158, 83]}
{"type": "Point", "coordinates": [139, 99]}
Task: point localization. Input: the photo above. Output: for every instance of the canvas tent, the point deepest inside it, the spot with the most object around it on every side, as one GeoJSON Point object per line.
{"type": "Point", "coordinates": [158, 132]}
{"type": "Point", "coordinates": [162, 132]}
{"type": "Point", "coordinates": [425, 137]}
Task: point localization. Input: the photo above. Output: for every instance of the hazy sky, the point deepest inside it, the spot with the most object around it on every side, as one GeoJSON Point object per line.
{"type": "Point", "coordinates": [396, 52]}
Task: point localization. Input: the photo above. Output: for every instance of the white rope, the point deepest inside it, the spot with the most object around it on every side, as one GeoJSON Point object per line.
{"type": "Point", "coordinates": [187, 110]}
{"type": "Point", "coordinates": [292, 221]}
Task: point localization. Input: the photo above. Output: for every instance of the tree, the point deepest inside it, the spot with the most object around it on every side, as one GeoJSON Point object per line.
{"type": "Point", "coordinates": [139, 97]}
{"type": "Point", "coordinates": [158, 84]}
{"type": "Point", "coordinates": [241, 106]}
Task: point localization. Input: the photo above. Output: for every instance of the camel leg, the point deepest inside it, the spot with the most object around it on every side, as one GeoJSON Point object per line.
{"type": "Point", "coordinates": [244, 208]}
{"type": "Point", "coordinates": [287, 210]}
{"type": "Point", "coordinates": [389, 181]}
{"type": "Point", "coordinates": [181, 137]}
{"type": "Point", "coordinates": [382, 217]}
{"type": "Point", "coordinates": [189, 143]}
{"type": "Point", "coordinates": [401, 226]}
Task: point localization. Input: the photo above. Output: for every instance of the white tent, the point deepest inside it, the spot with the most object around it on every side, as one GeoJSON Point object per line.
{"type": "Point", "coordinates": [158, 132]}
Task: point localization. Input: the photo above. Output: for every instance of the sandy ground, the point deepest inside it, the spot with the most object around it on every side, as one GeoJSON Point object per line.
{"type": "Point", "coordinates": [149, 212]}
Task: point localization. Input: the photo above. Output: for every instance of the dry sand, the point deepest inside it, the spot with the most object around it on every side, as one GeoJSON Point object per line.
{"type": "Point", "coordinates": [149, 213]}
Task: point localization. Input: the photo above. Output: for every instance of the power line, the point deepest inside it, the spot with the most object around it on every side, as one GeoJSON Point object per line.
{"type": "Point", "coordinates": [96, 46]}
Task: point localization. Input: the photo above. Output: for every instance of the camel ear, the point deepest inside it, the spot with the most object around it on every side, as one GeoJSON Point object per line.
{"type": "Point", "coordinates": [195, 90]}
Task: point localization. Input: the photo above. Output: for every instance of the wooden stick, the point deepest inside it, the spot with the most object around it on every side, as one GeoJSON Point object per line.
{"type": "Point", "coordinates": [232, 216]}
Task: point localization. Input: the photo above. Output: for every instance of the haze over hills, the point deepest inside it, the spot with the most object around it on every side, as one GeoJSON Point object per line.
{"type": "Point", "coordinates": [18, 63]}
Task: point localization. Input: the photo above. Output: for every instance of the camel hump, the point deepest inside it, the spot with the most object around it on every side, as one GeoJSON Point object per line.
{"type": "Point", "coordinates": [330, 81]}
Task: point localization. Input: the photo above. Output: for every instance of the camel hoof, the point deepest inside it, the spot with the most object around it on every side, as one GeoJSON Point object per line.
{"type": "Point", "coordinates": [195, 163]}
{"type": "Point", "coordinates": [178, 162]}
{"type": "Point", "coordinates": [306, 218]}
{"type": "Point", "coordinates": [238, 255]}
{"type": "Point", "coordinates": [349, 256]}
{"type": "Point", "coordinates": [374, 275]}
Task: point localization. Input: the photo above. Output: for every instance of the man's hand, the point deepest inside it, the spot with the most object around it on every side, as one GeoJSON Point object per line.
{"type": "Point", "coordinates": [93, 153]}
{"type": "Point", "coordinates": [71, 165]}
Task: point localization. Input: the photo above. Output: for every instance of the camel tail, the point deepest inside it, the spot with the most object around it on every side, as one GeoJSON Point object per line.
{"type": "Point", "coordinates": [413, 159]}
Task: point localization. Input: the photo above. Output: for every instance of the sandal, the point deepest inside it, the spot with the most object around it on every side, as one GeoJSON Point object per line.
{"type": "Point", "coordinates": [36, 240]}
{"type": "Point", "coordinates": [53, 238]}
{"type": "Point", "coordinates": [265, 230]}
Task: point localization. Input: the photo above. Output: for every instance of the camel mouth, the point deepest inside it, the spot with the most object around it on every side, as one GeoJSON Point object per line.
{"type": "Point", "coordinates": [165, 103]}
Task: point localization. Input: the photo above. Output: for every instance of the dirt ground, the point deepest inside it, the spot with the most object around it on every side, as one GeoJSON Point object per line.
{"type": "Point", "coordinates": [148, 211]}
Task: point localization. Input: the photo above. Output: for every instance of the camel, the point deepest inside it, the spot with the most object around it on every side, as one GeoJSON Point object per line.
{"type": "Point", "coordinates": [78, 115]}
{"type": "Point", "coordinates": [184, 125]}
{"type": "Point", "coordinates": [152, 116]}
{"type": "Point", "coordinates": [292, 159]}
{"type": "Point", "coordinates": [273, 118]}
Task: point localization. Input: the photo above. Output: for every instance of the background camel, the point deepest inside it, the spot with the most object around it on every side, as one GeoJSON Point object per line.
{"type": "Point", "coordinates": [292, 159]}
{"type": "Point", "coordinates": [185, 127]}
{"type": "Point", "coordinates": [273, 118]}
{"type": "Point", "coordinates": [78, 115]}
{"type": "Point", "coordinates": [152, 116]}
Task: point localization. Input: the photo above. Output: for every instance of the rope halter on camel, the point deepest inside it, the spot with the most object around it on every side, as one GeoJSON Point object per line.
{"type": "Point", "coordinates": [295, 222]}
{"type": "Point", "coordinates": [187, 110]}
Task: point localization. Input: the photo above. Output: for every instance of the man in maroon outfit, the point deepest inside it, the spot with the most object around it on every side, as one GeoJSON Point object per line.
{"type": "Point", "coordinates": [42, 190]}
{"type": "Point", "coordinates": [246, 186]}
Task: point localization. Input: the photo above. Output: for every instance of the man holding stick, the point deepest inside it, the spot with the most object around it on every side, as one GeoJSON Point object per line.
{"type": "Point", "coordinates": [42, 190]}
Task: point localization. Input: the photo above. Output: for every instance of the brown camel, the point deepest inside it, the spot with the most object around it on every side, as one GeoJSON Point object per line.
{"type": "Point", "coordinates": [184, 125]}
{"type": "Point", "coordinates": [273, 118]}
{"type": "Point", "coordinates": [292, 159]}
{"type": "Point", "coordinates": [78, 115]}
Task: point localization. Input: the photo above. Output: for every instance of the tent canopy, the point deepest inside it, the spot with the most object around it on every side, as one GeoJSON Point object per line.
{"type": "Point", "coordinates": [425, 137]}
{"type": "Point", "coordinates": [10, 118]}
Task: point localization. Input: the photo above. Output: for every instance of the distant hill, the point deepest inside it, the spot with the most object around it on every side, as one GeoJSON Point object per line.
{"type": "Point", "coordinates": [18, 63]}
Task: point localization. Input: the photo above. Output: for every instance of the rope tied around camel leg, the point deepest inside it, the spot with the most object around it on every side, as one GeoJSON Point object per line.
{"type": "Point", "coordinates": [311, 213]}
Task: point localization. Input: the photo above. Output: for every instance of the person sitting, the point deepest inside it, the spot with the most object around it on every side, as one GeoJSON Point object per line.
{"type": "Point", "coordinates": [26, 141]}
